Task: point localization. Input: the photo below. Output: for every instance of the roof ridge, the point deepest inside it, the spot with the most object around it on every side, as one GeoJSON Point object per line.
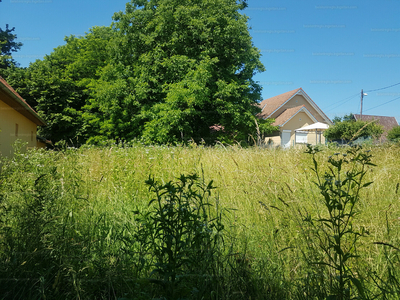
{"type": "Point", "coordinates": [24, 103]}
{"type": "Point", "coordinates": [14, 92]}
{"type": "Point", "coordinates": [312, 101]}
{"type": "Point", "coordinates": [272, 103]}
{"type": "Point", "coordinates": [373, 116]}
{"type": "Point", "coordinates": [292, 111]}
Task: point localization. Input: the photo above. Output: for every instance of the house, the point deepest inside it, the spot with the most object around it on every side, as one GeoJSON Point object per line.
{"type": "Point", "coordinates": [387, 122]}
{"type": "Point", "coordinates": [18, 121]}
{"type": "Point", "coordinates": [292, 111]}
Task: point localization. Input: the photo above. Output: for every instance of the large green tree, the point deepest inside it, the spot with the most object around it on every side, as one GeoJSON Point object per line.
{"type": "Point", "coordinates": [176, 69]}
{"type": "Point", "coordinates": [7, 46]}
{"type": "Point", "coordinates": [58, 86]}
{"type": "Point", "coordinates": [166, 71]}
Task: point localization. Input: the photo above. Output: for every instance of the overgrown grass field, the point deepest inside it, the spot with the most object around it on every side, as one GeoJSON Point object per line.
{"type": "Point", "coordinates": [77, 224]}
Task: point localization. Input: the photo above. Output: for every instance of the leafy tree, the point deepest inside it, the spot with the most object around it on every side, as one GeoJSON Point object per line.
{"type": "Point", "coordinates": [336, 119]}
{"type": "Point", "coordinates": [58, 86]}
{"type": "Point", "coordinates": [167, 71]}
{"type": "Point", "coordinates": [7, 46]}
{"type": "Point", "coordinates": [17, 78]}
{"type": "Point", "coordinates": [394, 134]}
{"type": "Point", "coordinates": [348, 117]}
{"type": "Point", "coordinates": [178, 68]}
{"type": "Point", "coordinates": [349, 130]}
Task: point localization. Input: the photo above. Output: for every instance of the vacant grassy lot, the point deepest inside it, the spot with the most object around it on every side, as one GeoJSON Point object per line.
{"type": "Point", "coordinates": [76, 224]}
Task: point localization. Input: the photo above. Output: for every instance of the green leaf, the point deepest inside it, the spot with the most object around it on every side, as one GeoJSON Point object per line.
{"type": "Point", "coordinates": [367, 184]}
{"type": "Point", "coordinates": [359, 286]}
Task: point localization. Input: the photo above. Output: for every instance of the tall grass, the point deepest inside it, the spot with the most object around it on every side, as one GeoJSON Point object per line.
{"type": "Point", "coordinates": [68, 222]}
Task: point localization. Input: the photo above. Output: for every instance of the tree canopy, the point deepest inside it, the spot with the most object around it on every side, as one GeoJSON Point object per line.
{"type": "Point", "coordinates": [177, 68]}
{"type": "Point", "coordinates": [7, 46]}
{"type": "Point", "coordinates": [58, 87]}
{"type": "Point", "coordinates": [166, 71]}
{"type": "Point", "coordinates": [345, 118]}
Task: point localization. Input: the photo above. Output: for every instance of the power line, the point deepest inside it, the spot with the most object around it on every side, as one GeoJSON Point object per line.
{"type": "Point", "coordinates": [383, 88]}
{"type": "Point", "coordinates": [383, 104]}
{"type": "Point", "coordinates": [342, 102]}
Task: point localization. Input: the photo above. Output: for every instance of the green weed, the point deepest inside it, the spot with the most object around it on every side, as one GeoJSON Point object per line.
{"type": "Point", "coordinates": [333, 230]}
{"type": "Point", "coordinates": [73, 224]}
{"type": "Point", "coordinates": [183, 232]}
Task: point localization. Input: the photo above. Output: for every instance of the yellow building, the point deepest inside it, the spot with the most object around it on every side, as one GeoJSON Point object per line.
{"type": "Point", "coordinates": [292, 111]}
{"type": "Point", "coordinates": [18, 121]}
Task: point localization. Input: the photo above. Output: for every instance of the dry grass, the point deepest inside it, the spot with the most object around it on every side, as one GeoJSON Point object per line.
{"type": "Point", "coordinates": [262, 189]}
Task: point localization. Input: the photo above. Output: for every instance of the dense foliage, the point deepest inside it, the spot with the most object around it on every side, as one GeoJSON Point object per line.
{"type": "Point", "coordinates": [167, 71]}
{"type": "Point", "coordinates": [7, 46]}
{"type": "Point", "coordinates": [394, 134]}
{"type": "Point", "coordinates": [349, 129]}
{"type": "Point", "coordinates": [179, 68]}
{"type": "Point", "coordinates": [58, 86]}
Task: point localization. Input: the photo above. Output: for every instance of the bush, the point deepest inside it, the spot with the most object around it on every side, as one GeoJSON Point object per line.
{"type": "Point", "coordinates": [351, 130]}
{"type": "Point", "coordinates": [394, 134]}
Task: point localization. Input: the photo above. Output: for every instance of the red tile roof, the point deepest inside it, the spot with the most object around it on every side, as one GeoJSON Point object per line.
{"type": "Point", "coordinates": [20, 104]}
{"type": "Point", "coordinates": [287, 114]}
{"type": "Point", "coordinates": [268, 106]}
{"type": "Point", "coordinates": [387, 122]}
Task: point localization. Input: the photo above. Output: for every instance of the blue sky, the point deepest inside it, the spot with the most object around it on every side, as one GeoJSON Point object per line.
{"type": "Point", "coordinates": [330, 48]}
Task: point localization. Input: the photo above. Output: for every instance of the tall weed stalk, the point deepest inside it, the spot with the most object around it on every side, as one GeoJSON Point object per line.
{"type": "Point", "coordinates": [183, 233]}
{"type": "Point", "coordinates": [333, 232]}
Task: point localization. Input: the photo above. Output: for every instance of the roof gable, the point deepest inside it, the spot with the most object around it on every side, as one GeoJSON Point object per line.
{"type": "Point", "coordinates": [18, 103]}
{"type": "Point", "coordinates": [271, 105]}
{"type": "Point", "coordinates": [290, 113]}
{"type": "Point", "coordinates": [268, 106]}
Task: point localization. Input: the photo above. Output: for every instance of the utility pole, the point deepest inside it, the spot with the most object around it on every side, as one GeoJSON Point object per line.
{"type": "Point", "coordinates": [362, 97]}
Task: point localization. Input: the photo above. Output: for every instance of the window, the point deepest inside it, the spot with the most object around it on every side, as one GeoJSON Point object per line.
{"type": "Point", "coordinates": [301, 137]}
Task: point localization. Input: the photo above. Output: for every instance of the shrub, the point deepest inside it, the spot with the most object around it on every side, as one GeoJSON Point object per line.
{"type": "Point", "coordinates": [394, 134]}
{"type": "Point", "coordinates": [351, 130]}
